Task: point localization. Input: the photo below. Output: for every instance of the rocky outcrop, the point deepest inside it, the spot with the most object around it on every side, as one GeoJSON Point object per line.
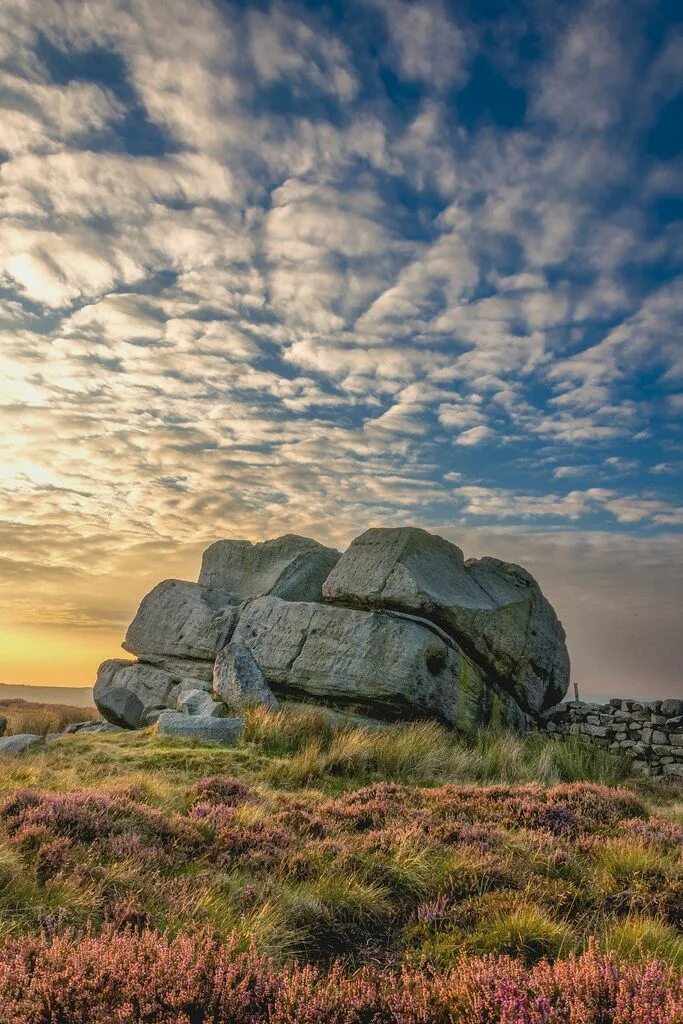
{"type": "Point", "coordinates": [399, 627]}
{"type": "Point", "coordinates": [293, 568]}
{"type": "Point", "coordinates": [493, 610]}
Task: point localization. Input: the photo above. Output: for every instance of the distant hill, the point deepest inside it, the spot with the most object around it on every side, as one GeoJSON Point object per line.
{"type": "Point", "coordinates": [75, 696]}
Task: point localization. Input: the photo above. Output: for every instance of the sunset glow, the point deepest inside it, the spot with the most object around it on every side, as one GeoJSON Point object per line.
{"type": "Point", "coordinates": [302, 267]}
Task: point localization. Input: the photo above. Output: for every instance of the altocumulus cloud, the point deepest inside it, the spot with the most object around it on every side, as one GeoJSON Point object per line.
{"type": "Point", "coordinates": [274, 267]}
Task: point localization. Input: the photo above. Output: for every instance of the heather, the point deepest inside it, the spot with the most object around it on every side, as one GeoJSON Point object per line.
{"type": "Point", "coordinates": [401, 854]}
{"type": "Point", "coordinates": [135, 977]}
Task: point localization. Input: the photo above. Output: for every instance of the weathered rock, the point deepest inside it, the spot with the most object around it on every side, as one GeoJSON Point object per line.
{"type": "Point", "coordinates": [126, 690]}
{"type": "Point", "coordinates": [90, 726]}
{"type": "Point", "coordinates": [672, 708]}
{"type": "Point", "coordinates": [239, 681]}
{"type": "Point", "coordinates": [494, 610]}
{"type": "Point", "coordinates": [3, 725]}
{"type": "Point", "coordinates": [151, 716]}
{"type": "Point", "coordinates": [199, 702]}
{"type": "Point", "coordinates": [224, 731]}
{"type": "Point", "coordinates": [181, 620]}
{"type": "Point", "coordinates": [293, 568]}
{"type": "Point", "coordinates": [22, 741]}
{"type": "Point", "coordinates": [381, 663]}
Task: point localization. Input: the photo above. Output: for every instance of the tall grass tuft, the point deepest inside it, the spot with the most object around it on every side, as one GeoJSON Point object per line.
{"type": "Point", "coordinates": [312, 748]}
{"type": "Point", "coordinates": [40, 719]}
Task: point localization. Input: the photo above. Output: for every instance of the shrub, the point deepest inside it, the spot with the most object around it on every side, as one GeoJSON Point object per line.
{"type": "Point", "coordinates": [220, 789]}
{"type": "Point", "coordinates": [134, 977]}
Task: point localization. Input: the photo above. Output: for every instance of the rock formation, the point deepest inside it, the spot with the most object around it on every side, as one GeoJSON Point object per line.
{"type": "Point", "coordinates": [398, 627]}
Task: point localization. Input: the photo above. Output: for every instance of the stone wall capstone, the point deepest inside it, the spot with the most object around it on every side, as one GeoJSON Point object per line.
{"type": "Point", "coordinates": [650, 733]}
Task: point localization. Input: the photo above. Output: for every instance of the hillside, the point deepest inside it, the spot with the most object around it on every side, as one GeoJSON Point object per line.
{"type": "Point", "coordinates": [191, 880]}
{"type": "Point", "coordinates": [39, 717]}
{"type": "Point", "coordinates": [74, 696]}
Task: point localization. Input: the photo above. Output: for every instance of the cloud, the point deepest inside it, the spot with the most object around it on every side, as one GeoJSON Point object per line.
{"type": "Point", "coordinates": [475, 435]}
{"type": "Point", "coordinates": [260, 273]}
{"type": "Point", "coordinates": [425, 44]}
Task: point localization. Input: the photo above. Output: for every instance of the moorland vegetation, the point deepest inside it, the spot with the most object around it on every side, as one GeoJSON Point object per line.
{"type": "Point", "coordinates": [315, 873]}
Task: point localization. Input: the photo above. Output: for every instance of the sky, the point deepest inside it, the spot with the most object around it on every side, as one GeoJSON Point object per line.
{"type": "Point", "coordinates": [310, 268]}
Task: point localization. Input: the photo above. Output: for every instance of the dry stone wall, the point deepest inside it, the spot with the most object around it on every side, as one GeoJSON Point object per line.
{"type": "Point", "coordinates": [649, 732]}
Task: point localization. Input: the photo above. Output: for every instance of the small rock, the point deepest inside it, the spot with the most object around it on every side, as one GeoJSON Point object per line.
{"type": "Point", "coordinates": [90, 726]}
{"type": "Point", "coordinates": [238, 680]}
{"type": "Point", "coordinates": [151, 717]}
{"type": "Point", "coordinates": [594, 730]}
{"type": "Point", "coordinates": [22, 741]}
{"type": "Point", "coordinates": [199, 702]}
{"type": "Point", "coordinates": [224, 731]}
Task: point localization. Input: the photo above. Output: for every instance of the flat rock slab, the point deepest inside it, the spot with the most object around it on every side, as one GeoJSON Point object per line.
{"type": "Point", "coordinates": [293, 568]}
{"type": "Point", "coordinates": [385, 665]}
{"type": "Point", "coordinates": [22, 741]}
{"type": "Point", "coordinates": [224, 731]}
{"type": "Point", "coordinates": [181, 620]}
{"type": "Point", "coordinates": [494, 610]}
{"type": "Point", "coordinates": [91, 726]}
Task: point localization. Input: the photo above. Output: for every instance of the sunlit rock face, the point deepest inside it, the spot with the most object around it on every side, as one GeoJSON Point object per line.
{"type": "Point", "coordinates": [398, 627]}
{"type": "Point", "coordinates": [293, 568]}
{"type": "Point", "coordinates": [494, 610]}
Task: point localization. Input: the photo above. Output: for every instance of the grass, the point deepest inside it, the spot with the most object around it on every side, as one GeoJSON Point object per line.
{"type": "Point", "coordinates": [306, 749]}
{"type": "Point", "coordinates": [407, 845]}
{"type": "Point", "coordinates": [639, 938]}
{"type": "Point", "coordinates": [40, 719]}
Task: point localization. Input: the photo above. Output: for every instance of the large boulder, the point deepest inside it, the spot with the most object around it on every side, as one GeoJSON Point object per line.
{"type": "Point", "coordinates": [385, 665]}
{"type": "Point", "coordinates": [293, 568]}
{"type": "Point", "coordinates": [239, 681]}
{"type": "Point", "coordinates": [125, 691]}
{"type": "Point", "coordinates": [494, 610]}
{"type": "Point", "coordinates": [181, 624]}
